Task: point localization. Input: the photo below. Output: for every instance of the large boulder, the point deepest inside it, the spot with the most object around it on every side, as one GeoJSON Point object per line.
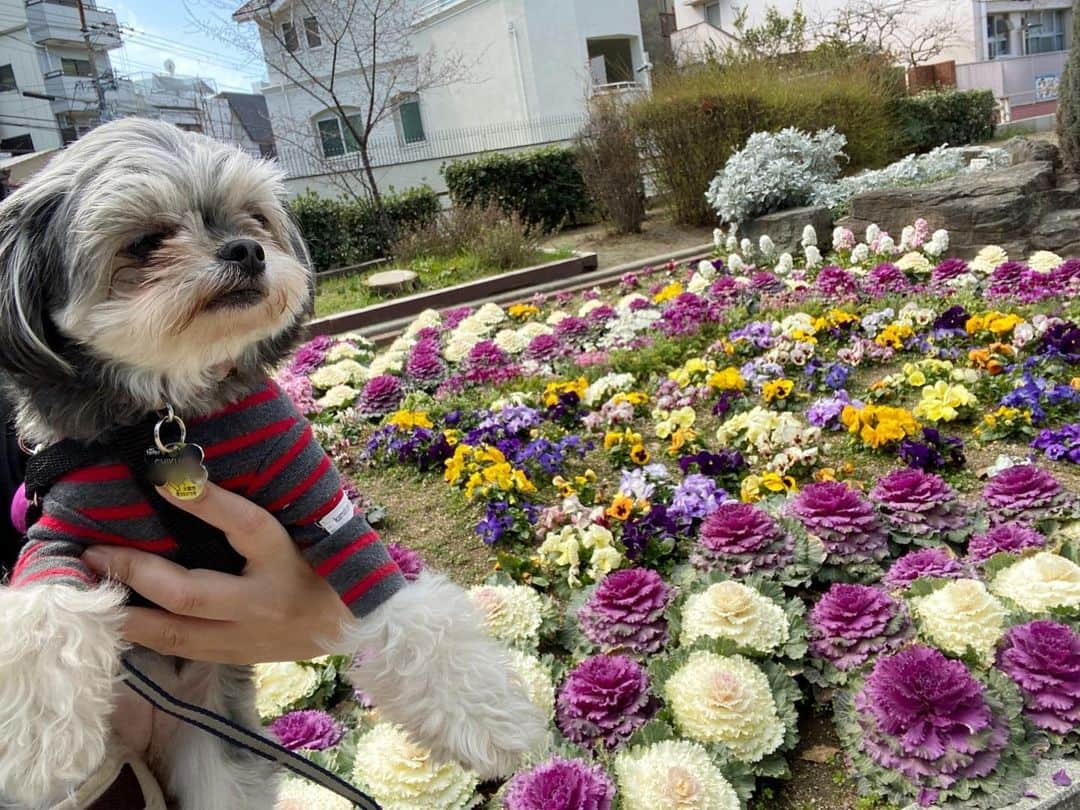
{"type": "Point", "coordinates": [1021, 208]}
{"type": "Point", "coordinates": [785, 227]}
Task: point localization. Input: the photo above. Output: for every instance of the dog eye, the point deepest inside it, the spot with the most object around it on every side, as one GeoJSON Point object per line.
{"type": "Point", "coordinates": [146, 244]}
{"type": "Point", "coordinates": [262, 220]}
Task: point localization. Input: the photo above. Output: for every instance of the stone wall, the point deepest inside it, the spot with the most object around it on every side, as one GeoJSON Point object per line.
{"type": "Point", "coordinates": [1026, 207]}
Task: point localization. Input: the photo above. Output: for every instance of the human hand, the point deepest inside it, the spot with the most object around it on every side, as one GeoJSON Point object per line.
{"type": "Point", "coordinates": [278, 609]}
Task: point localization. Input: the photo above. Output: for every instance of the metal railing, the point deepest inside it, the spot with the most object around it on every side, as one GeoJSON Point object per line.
{"type": "Point", "coordinates": [298, 161]}
{"type": "Point", "coordinates": [432, 7]}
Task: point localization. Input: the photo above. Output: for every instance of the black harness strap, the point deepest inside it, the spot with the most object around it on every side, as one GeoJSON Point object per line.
{"type": "Point", "coordinates": [200, 544]}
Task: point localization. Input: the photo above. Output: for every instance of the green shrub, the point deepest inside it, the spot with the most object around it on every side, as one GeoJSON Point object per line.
{"type": "Point", "coordinates": [610, 162]}
{"type": "Point", "coordinates": [935, 117]}
{"type": "Point", "coordinates": [1068, 123]}
{"type": "Point", "coordinates": [497, 240]}
{"type": "Point", "coordinates": [695, 119]}
{"type": "Point", "coordinates": [341, 232]}
{"type": "Point", "coordinates": [544, 186]}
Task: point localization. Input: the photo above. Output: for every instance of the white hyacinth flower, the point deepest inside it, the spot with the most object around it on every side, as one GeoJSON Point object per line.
{"type": "Point", "coordinates": [813, 256]}
{"type": "Point", "coordinates": [766, 245]}
{"type": "Point", "coordinates": [746, 248]}
{"type": "Point", "coordinates": [809, 237]}
{"type": "Point", "coordinates": [860, 254]}
{"type": "Point", "coordinates": [872, 233]}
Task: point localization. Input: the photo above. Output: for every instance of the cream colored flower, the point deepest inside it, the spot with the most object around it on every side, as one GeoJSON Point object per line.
{"type": "Point", "coordinates": [511, 341]}
{"type": "Point", "coordinates": [737, 612]}
{"type": "Point", "coordinates": [1043, 261]}
{"type": "Point", "coordinates": [534, 329]}
{"type": "Point", "coordinates": [337, 397]}
{"type": "Point", "coordinates": [300, 794]}
{"type": "Point", "coordinates": [557, 317]}
{"type": "Point", "coordinates": [915, 262]}
{"type": "Point", "coordinates": [459, 346]}
{"type": "Point", "coordinates": [427, 319]}
{"type": "Point", "coordinates": [342, 350]}
{"type": "Point", "coordinates": [344, 372]}
{"type": "Point", "coordinates": [1040, 582]}
{"type": "Point", "coordinates": [698, 284]}
{"type": "Point", "coordinates": [672, 775]}
{"type": "Point", "coordinates": [401, 775]}
{"type": "Point", "coordinates": [962, 615]}
{"type": "Point", "coordinates": [490, 314]}
{"type": "Point", "coordinates": [988, 259]}
{"type": "Point", "coordinates": [726, 699]}
{"type": "Point", "coordinates": [627, 301]}
{"type": "Point", "coordinates": [536, 678]}
{"type": "Point", "coordinates": [281, 685]}
{"type": "Point", "coordinates": [511, 612]}
{"type": "Point", "coordinates": [603, 562]}
{"type": "Point", "coordinates": [387, 363]}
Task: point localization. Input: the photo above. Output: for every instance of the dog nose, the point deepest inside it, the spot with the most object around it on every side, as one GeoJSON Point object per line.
{"type": "Point", "coordinates": [246, 254]}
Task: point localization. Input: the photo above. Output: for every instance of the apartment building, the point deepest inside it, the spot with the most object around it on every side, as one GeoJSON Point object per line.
{"type": "Point", "coordinates": [530, 67]}
{"type": "Point", "coordinates": [1016, 48]}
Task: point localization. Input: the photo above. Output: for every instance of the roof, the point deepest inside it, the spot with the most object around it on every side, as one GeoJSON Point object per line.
{"type": "Point", "coordinates": [250, 9]}
{"type": "Point", "coordinates": [252, 113]}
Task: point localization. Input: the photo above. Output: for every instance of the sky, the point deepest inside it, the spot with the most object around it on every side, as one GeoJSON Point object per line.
{"type": "Point", "coordinates": [156, 30]}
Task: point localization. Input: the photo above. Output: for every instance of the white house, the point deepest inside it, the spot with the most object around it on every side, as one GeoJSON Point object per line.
{"type": "Point", "coordinates": [530, 67]}
{"type": "Point", "coordinates": [1017, 48]}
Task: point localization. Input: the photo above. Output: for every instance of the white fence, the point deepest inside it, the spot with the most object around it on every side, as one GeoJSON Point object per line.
{"type": "Point", "coordinates": [438, 145]}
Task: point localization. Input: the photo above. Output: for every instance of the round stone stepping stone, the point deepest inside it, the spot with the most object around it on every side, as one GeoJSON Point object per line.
{"type": "Point", "coordinates": [389, 280]}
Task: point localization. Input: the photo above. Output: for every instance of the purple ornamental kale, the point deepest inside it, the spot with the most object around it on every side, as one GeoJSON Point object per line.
{"type": "Point", "coordinates": [1008, 537]}
{"type": "Point", "coordinates": [926, 563]}
{"type": "Point", "coordinates": [918, 508]}
{"type": "Point", "coordinates": [561, 784]}
{"type": "Point", "coordinates": [1043, 659]}
{"type": "Point", "coordinates": [739, 539]}
{"type": "Point", "coordinates": [603, 701]}
{"type": "Point", "coordinates": [626, 612]}
{"type": "Point", "coordinates": [852, 623]}
{"type": "Point", "coordinates": [843, 520]}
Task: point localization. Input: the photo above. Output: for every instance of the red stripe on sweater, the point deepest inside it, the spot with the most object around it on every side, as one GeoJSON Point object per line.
{"type": "Point", "coordinates": [51, 573]}
{"type": "Point", "coordinates": [265, 394]}
{"type": "Point", "coordinates": [299, 490]}
{"type": "Point", "coordinates": [159, 545]}
{"type": "Point", "coordinates": [248, 439]}
{"type": "Point", "coordinates": [324, 509]}
{"type": "Point", "coordinates": [238, 484]}
{"type": "Point", "coordinates": [266, 476]}
{"type": "Point", "coordinates": [331, 564]}
{"type": "Point", "coordinates": [97, 475]}
{"type": "Point", "coordinates": [369, 582]}
{"type": "Point", "coordinates": [131, 511]}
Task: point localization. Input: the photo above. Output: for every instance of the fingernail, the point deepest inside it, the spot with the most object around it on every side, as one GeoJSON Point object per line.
{"type": "Point", "coordinates": [96, 557]}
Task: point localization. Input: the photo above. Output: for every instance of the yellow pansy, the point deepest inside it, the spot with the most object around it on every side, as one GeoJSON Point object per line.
{"type": "Point", "coordinates": [673, 290]}
{"type": "Point", "coordinates": [777, 389]}
{"type": "Point", "coordinates": [728, 379]}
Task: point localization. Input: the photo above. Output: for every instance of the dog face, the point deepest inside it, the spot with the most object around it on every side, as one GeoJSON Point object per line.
{"type": "Point", "coordinates": [162, 255]}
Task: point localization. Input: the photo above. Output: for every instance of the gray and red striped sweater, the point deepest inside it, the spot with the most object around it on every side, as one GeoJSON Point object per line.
{"type": "Point", "coordinates": [259, 447]}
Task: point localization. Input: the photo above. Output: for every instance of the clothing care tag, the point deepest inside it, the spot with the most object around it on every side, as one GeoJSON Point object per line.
{"type": "Point", "coordinates": [338, 516]}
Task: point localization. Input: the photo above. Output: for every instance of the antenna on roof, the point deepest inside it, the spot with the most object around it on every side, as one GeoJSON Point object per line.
{"type": "Point", "coordinates": [170, 67]}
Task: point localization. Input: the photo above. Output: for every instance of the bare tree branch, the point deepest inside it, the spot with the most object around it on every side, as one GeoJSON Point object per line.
{"type": "Point", "coordinates": [906, 30]}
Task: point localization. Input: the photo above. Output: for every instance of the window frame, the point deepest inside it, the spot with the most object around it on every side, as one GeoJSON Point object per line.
{"type": "Point", "coordinates": [713, 4]}
{"type": "Point", "coordinates": [78, 74]}
{"type": "Point", "coordinates": [1057, 33]}
{"type": "Point", "coordinates": [345, 138]}
{"type": "Point", "coordinates": [403, 100]}
{"type": "Point", "coordinates": [14, 87]}
{"type": "Point", "coordinates": [995, 38]}
{"type": "Point", "coordinates": [288, 28]}
{"type": "Point", "coordinates": [308, 22]}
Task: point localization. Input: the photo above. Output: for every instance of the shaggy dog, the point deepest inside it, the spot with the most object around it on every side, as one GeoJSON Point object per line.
{"type": "Point", "coordinates": [147, 268]}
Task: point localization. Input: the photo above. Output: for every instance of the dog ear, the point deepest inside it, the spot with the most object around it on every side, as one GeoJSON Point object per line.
{"type": "Point", "coordinates": [32, 277]}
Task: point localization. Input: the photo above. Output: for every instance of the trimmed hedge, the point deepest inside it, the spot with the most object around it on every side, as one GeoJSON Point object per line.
{"type": "Point", "coordinates": [543, 186]}
{"type": "Point", "coordinates": [955, 117]}
{"type": "Point", "coordinates": [694, 121]}
{"type": "Point", "coordinates": [342, 232]}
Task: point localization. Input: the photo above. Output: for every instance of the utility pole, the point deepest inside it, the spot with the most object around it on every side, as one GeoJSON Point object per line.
{"type": "Point", "coordinates": [93, 63]}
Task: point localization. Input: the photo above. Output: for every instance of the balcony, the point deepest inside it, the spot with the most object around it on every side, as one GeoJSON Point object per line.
{"type": "Point", "coordinates": [627, 90]}
{"type": "Point", "coordinates": [433, 8]}
{"type": "Point", "coordinates": [56, 22]}
{"type": "Point", "coordinates": [73, 94]}
{"type": "Point", "coordinates": [1025, 86]}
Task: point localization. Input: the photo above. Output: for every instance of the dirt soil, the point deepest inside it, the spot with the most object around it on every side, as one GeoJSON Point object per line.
{"type": "Point", "coordinates": [659, 235]}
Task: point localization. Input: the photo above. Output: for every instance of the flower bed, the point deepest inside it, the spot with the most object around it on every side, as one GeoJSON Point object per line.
{"type": "Point", "coordinates": [722, 494]}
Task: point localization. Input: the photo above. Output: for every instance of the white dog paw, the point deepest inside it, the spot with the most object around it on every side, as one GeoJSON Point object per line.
{"type": "Point", "coordinates": [59, 657]}
{"type": "Point", "coordinates": [428, 665]}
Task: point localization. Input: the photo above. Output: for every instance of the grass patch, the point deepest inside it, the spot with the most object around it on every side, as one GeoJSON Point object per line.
{"type": "Point", "coordinates": [344, 293]}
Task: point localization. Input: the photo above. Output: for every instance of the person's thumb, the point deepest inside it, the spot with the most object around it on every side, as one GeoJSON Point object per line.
{"type": "Point", "coordinates": [250, 529]}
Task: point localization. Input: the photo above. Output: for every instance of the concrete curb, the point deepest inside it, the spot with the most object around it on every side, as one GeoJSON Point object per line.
{"type": "Point", "coordinates": [383, 331]}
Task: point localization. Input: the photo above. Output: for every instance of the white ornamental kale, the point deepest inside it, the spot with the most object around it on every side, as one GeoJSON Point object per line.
{"type": "Point", "coordinates": [775, 170]}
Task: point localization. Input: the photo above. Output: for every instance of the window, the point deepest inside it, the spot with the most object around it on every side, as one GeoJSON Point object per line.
{"type": "Point", "coordinates": [997, 35]}
{"type": "Point", "coordinates": [1044, 31]}
{"type": "Point", "coordinates": [288, 36]}
{"type": "Point", "coordinates": [712, 14]}
{"type": "Point", "coordinates": [410, 120]}
{"type": "Point", "coordinates": [311, 31]}
{"type": "Point", "coordinates": [75, 67]}
{"type": "Point", "coordinates": [17, 145]}
{"type": "Point", "coordinates": [336, 138]}
{"type": "Point", "coordinates": [7, 78]}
